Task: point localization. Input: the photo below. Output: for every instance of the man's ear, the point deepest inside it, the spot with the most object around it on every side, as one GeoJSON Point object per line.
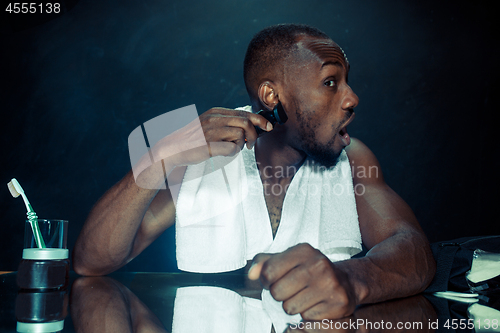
{"type": "Point", "coordinates": [268, 96]}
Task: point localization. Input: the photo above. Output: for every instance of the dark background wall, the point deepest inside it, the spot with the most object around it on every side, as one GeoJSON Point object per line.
{"type": "Point", "coordinates": [74, 87]}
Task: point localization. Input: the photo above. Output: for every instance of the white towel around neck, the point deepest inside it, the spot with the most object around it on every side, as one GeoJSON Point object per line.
{"type": "Point", "coordinates": [222, 218]}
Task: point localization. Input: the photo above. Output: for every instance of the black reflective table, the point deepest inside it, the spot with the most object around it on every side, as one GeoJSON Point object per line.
{"type": "Point", "coordinates": [185, 302]}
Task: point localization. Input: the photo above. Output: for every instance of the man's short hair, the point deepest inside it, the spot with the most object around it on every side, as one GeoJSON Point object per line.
{"type": "Point", "coordinates": [269, 48]}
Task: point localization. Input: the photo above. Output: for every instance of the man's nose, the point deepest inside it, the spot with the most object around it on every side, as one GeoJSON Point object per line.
{"type": "Point", "coordinates": [351, 100]}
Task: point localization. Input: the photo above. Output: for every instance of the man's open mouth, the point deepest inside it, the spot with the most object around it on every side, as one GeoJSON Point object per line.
{"type": "Point", "coordinates": [344, 136]}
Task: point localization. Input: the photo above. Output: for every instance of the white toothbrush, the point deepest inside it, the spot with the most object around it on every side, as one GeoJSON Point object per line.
{"type": "Point", "coordinates": [16, 190]}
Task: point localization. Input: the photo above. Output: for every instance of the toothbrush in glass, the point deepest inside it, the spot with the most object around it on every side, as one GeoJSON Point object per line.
{"type": "Point", "coordinates": [16, 190]}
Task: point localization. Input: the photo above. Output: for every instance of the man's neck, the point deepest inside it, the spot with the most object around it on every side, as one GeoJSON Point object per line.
{"type": "Point", "coordinates": [276, 160]}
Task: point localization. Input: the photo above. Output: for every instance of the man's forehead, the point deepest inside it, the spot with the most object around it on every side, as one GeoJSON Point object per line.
{"type": "Point", "coordinates": [325, 50]}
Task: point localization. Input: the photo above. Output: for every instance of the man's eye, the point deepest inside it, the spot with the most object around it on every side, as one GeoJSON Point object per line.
{"type": "Point", "coordinates": [330, 83]}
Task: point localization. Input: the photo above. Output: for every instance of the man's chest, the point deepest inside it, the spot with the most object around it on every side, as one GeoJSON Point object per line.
{"type": "Point", "coordinates": [275, 196]}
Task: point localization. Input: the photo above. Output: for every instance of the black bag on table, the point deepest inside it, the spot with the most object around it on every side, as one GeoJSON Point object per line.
{"type": "Point", "coordinates": [454, 260]}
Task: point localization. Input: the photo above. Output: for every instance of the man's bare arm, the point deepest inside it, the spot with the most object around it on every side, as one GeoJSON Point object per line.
{"type": "Point", "coordinates": [399, 262]}
{"type": "Point", "coordinates": [123, 223]}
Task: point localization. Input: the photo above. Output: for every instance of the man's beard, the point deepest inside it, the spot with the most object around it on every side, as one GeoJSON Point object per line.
{"type": "Point", "coordinates": [320, 153]}
{"type": "Point", "coordinates": [324, 155]}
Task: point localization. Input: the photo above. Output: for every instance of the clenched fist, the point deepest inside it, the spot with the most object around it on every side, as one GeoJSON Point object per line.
{"type": "Point", "coordinates": [306, 281]}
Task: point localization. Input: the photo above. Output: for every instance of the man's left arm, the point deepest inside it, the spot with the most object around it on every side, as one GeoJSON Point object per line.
{"type": "Point", "coordinates": [399, 262]}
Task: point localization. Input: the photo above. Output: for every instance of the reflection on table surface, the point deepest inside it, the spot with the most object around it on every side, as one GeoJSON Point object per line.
{"type": "Point", "coordinates": [184, 302]}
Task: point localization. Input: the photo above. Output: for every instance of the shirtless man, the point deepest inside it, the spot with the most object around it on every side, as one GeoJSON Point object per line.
{"type": "Point", "coordinates": [307, 72]}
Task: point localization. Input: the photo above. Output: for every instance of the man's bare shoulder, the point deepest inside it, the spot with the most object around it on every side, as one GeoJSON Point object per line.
{"type": "Point", "coordinates": [358, 152]}
{"type": "Point", "coordinates": [365, 166]}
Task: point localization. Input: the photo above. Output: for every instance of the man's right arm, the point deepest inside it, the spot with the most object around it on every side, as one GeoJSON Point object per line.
{"type": "Point", "coordinates": [130, 217]}
{"type": "Point", "coordinates": [122, 223]}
